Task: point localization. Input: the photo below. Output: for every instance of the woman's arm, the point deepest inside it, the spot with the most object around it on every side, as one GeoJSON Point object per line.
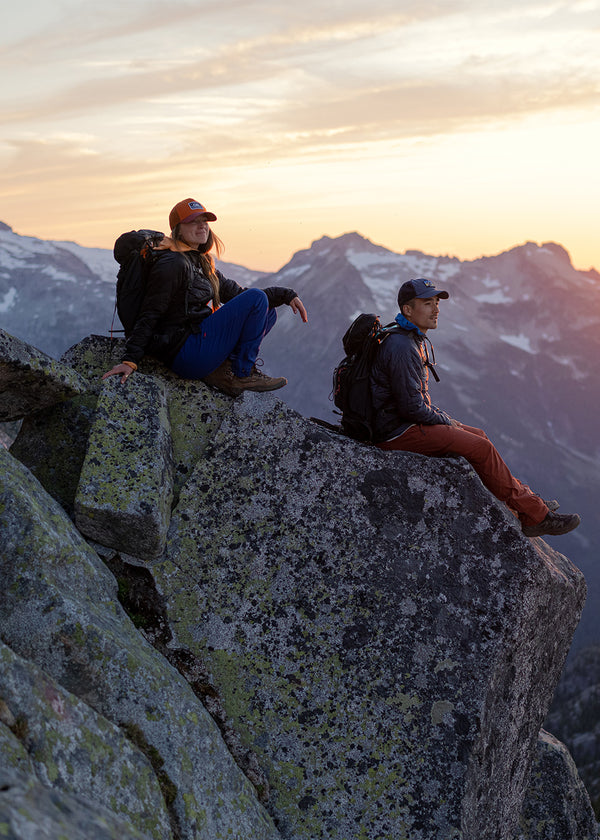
{"type": "Point", "coordinates": [276, 295]}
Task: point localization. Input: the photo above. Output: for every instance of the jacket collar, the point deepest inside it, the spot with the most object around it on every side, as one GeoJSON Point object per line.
{"type": "Point", "coordinates": [168, 244]}
{"type": "Point", "coordinates": [403, 322]}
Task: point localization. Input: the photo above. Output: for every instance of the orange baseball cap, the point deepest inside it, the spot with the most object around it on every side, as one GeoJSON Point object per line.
{"type": "Point", "coordinates": [187, 210]}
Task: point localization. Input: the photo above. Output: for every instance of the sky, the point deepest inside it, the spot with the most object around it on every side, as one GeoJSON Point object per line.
{"type": "Point", "coordinates": [458, 127]}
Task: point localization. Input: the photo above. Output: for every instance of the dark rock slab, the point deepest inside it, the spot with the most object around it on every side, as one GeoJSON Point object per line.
{"type": "Point", "coordinates": [30, 380]}
{"type": "Point", "coordinates": [52, 443]}
{"type": "Point", "coordinates": [381, 633]}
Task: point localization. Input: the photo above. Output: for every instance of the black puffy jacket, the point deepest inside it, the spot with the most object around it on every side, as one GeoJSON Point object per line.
{"type": "Point", "coordinates": [176, 301]}
{"type": "Point", "coordinates": [399, 386]}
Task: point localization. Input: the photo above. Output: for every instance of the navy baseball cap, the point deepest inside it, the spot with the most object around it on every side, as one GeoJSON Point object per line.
{"type": "Point", "coordinates": [419, 288]}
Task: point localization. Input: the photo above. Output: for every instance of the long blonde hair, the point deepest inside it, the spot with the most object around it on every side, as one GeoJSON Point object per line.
{"type": "Point", "coordinates": [207, 262]}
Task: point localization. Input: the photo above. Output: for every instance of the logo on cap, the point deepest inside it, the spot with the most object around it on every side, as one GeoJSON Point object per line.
{"type": "Point", "coordinates": [195, 205]}
{"type": "Point", "coordinates": [429, 284]}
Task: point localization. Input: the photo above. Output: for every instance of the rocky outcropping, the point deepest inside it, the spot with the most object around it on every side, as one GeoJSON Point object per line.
{"type": "Point", "coordinates": [31, 380]}
{"type": "Point", "coordinates": [295, 635]}
{"type": "Point", "coordinates": [546, 816]}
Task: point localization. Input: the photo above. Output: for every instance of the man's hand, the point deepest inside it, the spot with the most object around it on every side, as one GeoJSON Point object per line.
{"type": "Point", "coordinates": [298, 308]}
{"type": "Point", "coordinates": [456, 423]}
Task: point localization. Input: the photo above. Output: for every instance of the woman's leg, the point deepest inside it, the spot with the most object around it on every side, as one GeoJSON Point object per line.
{"type": "Point", "coordinates": [234, 331]}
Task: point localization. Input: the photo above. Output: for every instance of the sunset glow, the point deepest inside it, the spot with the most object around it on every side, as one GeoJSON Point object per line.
{"type": "Point", "coordinates": [459, 128]}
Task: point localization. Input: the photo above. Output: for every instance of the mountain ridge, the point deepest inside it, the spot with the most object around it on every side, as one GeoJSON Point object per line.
{"type": "Point", "coordinates": [515, 347]}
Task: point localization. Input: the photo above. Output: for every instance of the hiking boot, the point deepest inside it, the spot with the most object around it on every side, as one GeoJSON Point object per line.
{"type": "Point", "coordinates": [554, 525]}
{"type": "Point", "coordinates": [257, 381]}
{"type": "Point", "coordinates": [224, 379]}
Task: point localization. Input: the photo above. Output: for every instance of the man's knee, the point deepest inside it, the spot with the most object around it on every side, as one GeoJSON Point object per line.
{"type": "Point", "coordinates": [470, 445]}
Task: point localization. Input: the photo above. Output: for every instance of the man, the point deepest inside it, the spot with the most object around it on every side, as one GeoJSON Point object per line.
{"type": "Point", "coordinates": [406, 420]}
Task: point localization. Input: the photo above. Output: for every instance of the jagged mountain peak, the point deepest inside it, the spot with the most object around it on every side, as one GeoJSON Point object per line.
{"type": "Point", "coordinates": [533, 250]}
{"type": "Point", "coordinates": [352, 238]}
{"type": "Point", "coordinates": [336, 247]}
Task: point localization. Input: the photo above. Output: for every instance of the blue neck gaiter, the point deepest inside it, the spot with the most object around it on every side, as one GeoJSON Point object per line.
{"type": "Point", "coordinates": [403, 322]}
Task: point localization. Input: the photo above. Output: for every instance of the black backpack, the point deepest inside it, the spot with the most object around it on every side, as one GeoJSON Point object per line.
{"type": "Point", "coordinates": [133, 251]}
{"type": "Point", "coordinates": [351, 388]}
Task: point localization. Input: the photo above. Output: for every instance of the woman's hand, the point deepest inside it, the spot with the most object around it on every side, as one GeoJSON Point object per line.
{"type": "Point", "coordinates": [124, 371]}
{"type": "Point", "coordinates": [299, 308]}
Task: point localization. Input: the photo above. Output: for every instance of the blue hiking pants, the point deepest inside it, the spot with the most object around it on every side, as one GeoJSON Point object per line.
{"type": "Point", "coordinates": [235, 330]}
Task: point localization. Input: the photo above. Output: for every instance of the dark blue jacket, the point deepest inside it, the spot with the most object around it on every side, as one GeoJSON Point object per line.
{"type": "Point", "coordinates": [399, 384]}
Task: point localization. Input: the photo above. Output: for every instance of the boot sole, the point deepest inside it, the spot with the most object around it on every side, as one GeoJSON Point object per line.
{"type": "Point", "coordinates": [264, 387]}
{"type": "Point", "coordinates": [533, 531]}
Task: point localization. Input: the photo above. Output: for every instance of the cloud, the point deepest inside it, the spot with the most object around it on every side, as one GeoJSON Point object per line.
{"type": "Point", "coordinates": [328, 73]}
{"type": "Point", "coordinates": [135, 101]}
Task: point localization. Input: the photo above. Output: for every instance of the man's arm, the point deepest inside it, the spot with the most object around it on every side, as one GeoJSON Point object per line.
{"type": "Point", "coordinates": [407, 382]}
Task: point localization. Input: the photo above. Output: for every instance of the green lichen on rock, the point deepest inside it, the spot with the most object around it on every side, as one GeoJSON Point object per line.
{"type": "Point", "coordinates": [356, 611]}
{"type": "Point", "coordinates": [125, 488]}
{"type": "Point", "coordinates": [370, 631]}
{"type": "Point", "coordinates": [59, 609]}
{"type": "Point", "coordinates": [137, 737]}
{"type": "Point", "coordinates": [74, 750]}
{"type": "Point", "coordinates": [196, 413]}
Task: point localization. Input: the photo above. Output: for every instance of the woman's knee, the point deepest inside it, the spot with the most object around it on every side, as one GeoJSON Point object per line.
{"type": "Point", "coordinates": [255, 297]}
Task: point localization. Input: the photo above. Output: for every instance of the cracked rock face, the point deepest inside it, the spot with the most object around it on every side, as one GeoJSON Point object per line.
{"type": "Point", "coordinates": [372, 622]}
{"type": "Point", "coordinates": [59, 610]}
{"type": "Point", "coordinates": [55, 736]}
{"type": "Point", "coordinates": [375, 638]}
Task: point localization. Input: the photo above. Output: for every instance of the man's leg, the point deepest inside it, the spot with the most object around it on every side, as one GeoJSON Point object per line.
{"type": "Point", "coordinates": [474, 445]}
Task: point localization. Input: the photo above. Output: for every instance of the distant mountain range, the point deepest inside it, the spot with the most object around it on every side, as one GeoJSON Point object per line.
{"type": "Point", "coordinates": [517, 347]}
{"type": "Point", "coordinates": [53, 294]}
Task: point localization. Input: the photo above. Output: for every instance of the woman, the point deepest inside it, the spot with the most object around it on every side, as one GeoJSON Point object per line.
{"type": "Point", "coordinates": [198, 322]}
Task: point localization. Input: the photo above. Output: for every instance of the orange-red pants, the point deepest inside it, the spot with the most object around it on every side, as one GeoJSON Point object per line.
{"type": "Point", "coordinates": [474, 445]}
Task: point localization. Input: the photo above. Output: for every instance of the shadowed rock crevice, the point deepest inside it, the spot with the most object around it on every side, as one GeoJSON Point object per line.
{"type": "Point", "coordinates": [169, 790]}
{"type": "Point", "coordinates": [146, 608]}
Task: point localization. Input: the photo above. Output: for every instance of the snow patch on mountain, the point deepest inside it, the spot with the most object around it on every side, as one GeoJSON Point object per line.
{"type": "Point", "coordinates": [8, 300]}
{"type": "Point", "coordinates": [521, 341]}
{"type": "Point", "coordinates": [496, 296]}
{"type": "Point", "coordinates": [292, 271]}
{"type": "Point", "coordinates": [98, 260]}
{"type": "Point", "coordinates": [447, 270]}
